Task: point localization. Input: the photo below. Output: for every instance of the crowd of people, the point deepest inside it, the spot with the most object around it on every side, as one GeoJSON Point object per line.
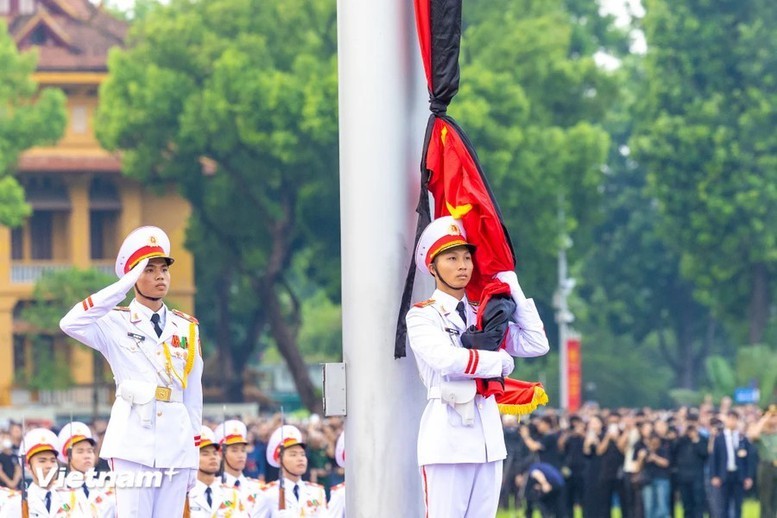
{"type": "Point", "coordinates": [647, 462]}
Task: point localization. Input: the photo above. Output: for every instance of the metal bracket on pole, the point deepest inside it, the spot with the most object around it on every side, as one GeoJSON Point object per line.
{"type": "Point", "coordinates": [334, 389]}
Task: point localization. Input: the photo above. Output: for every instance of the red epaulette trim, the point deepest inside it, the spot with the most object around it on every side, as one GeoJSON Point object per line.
{"type": "Point", "coordinates": [337, 487]}
{"type": "Point", "coordinates": [185, 316]}
{"type": "Point", "coordinates": [121, 308]}
{"type": "Point", "coordinates": [424, 303]}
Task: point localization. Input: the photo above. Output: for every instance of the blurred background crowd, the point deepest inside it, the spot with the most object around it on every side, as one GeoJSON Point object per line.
{"type": "Point", "coordinates": [701, 461]}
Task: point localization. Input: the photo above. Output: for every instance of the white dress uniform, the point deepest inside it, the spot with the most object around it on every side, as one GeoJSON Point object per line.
{"type": "Point", "coordinates": [310, 504]}
{"type": "Point", "coordinates": [337, 501]}
{"type": "Point", "coordinates": [64, 503]}
{"type": "Point", "coordinates": [226, 501]}
{"type": "Point", "coordinates": [461, 446]}
{"type": "Point", "coordinates": [156, 418]}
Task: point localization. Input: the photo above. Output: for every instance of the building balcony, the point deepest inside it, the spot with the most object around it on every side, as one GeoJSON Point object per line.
{"type": "Point", "coordinates": [29, 272]}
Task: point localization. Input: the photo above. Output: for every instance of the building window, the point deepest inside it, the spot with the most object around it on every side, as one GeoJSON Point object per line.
{"type": "Point", "coordinates": [79, 122]}
{"type": "Point", "coordinates": [102, 229]}
{"type": "Point", "coordinates": [19, 360]}
{"type": "Point", "coordinates": [17, 243]}
{"type": "Point", "coordinates": [41, 235]}
{"type": "Point", "coordinates": [26, 6]}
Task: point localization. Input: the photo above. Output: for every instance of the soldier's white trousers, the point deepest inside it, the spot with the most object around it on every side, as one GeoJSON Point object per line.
{"type": "Point", "coordinates": [461, 490]}
{"type": "Point", "coordinates": [165, 501]}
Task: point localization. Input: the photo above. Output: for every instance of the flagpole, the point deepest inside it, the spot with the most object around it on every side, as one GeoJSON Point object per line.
{"type": "Point", "coordinates": [564, 316]}
{"type": "Point", "coordinates": [382, 116]}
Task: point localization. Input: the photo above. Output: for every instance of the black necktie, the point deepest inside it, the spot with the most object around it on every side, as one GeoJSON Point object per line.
{"type": "Point", "coordinates": [296, 491]}
{"type": "Point", "coordinates": [237, 483]}
{"type": "Point", "coordinates": [48, 500]}
{"type": "Point", "coordinates": [461, 312]}
{"type": "Point", "coordinates": [155, 320]}
{"type": "Point", "coordinates": [86, 490]}
{"type": "Point", "coordinates": [208, 497]}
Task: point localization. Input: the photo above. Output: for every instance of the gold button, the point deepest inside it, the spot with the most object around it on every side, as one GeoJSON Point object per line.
{"type": "Point", "coordinates": [159, 414]}
{"type": "Point", "coordinates": [480, 406]}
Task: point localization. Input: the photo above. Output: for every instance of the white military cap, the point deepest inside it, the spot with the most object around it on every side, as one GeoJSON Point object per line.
{"type": "Point", "coordinates": [340, 450]}
{"type": "Point", "coordinates": [142, 243]}
{"type": "Point", "coordinates": [208, 438]}
{"type": "Point", "coordinates": [284, 437]}
{"type": "Point", "coordinates": [231, 432]}
{"type": "Point", "coordinates": [37, 441]}
{"type": "Point", "coordinates": [441, 234]}
{"type": "Point", "coordinates": [70, 435]}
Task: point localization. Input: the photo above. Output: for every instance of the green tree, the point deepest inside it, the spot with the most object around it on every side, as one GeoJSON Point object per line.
{"type": "Point", "coordinates": [28, 117]}
{"type": "Point", "coordinates": [706, 140]}
{"type": "Point", "coordinates": [235, 102]}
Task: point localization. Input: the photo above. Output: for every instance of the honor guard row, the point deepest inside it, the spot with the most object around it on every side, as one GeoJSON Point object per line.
{"type": "Point", "coordinates": [49, 494]}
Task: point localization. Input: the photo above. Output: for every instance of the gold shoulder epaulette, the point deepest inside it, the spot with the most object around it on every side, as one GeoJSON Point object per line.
{"type": "Point", "coordinates": [271, 484]}
{"type": "Point", "coordinates": [313, 484]}
{"type": "Point", "coordinates": [185, 316]}
{"type": "Point", "coordinates": [337, 487]}
{"type": "Point", "coordinates": [423, 304]}
{"type": "Point", "coordinates": [121, 308]}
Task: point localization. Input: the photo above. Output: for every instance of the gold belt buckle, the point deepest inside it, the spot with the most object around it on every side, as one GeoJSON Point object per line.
{"type": "Point", "coordinates": [163, 393]}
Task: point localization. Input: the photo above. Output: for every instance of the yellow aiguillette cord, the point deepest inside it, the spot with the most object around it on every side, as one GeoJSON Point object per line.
{"type": "Point", "coordinates": [190, 354]}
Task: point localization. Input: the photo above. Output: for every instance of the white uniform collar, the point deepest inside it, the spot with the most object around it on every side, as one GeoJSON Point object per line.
{"type": "Point", "coordinates": [447, 303]}
{"type": "Point", "coordinates": [144, 312]}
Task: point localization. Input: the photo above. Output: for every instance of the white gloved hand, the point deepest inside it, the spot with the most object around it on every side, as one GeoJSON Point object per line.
{"type": "Point", "coordinates": [131, 277]}
{"type": "Point", "coordinates": [508, 364]}
{"type": "Point", "coordinates": [511, 279]}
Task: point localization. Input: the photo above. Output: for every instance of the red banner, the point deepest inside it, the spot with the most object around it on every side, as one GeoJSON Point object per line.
{"type": "Point", "coordinates": [574, 375]}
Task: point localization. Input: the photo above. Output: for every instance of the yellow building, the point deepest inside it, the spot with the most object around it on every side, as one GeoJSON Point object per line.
{"type": "Point", "coordinates": [82, 206]}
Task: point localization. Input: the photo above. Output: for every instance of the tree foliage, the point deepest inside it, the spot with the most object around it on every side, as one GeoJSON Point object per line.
{"type": "Point", "coordinates": [28, 117]}
{"type": "Point", "coordinates": [706, 141]}
{"type": "Point", "coordinates": [235, 102]}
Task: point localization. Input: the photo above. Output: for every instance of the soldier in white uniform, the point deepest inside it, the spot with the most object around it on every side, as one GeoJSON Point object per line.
{"type": "Point", "coordinates": [210, 498]}
{"type": "Point", "coordinates": [337, 493]}
{"type": "Point", "coordinates": [461, 443]}
{"type": "Point", "coordinates": [155, 356]}
{"type": "Point", "coordinates": [286, 450]}
{"type": "Point", "coordinates": [232, 437]}
{"type": "Point", "coordinates": [77, 452]}
{"type": "Point", "coordinates": [45, 497]}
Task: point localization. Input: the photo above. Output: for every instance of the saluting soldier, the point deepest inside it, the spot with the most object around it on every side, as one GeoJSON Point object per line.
{"type": "Point", "coordinates": [286, 450]}
{"type": "Point", "coordinates": [77, 452]}
{"type": "Point", "coordinates": [210, 498]}
{"type": "Point", "coordinates": [460, 442]}
{"type": "Point", "coordinates": [337, 493]}
{"type": "Point", "coordinates": [155, 356]}
{"type": "Point", "coordinates": [232, 437]}
{"type": "Point", "coordinates": [45, 496]}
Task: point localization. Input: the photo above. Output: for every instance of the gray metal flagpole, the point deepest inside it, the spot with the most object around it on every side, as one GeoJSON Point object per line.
{"type": "Point", "coordinates": [382, 116]}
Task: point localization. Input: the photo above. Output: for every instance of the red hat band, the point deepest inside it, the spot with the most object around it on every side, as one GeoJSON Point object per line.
{"type": "Point", "coordinates": [143, 253]}
{"type": "Point", "coordinates": [287, 443]}
{"type": "Point", "coordinates": [446, 242]}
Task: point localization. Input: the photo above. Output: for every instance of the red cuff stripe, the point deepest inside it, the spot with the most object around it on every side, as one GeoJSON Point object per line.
{"type": "Point", "coordinates": [477, 359]}
{"type": "Point", "coordinates": [89, 300]}
{"type": "Point", "coordinates": [85, 305]}
{"type": "Point", "coordinates": [469, 363]}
